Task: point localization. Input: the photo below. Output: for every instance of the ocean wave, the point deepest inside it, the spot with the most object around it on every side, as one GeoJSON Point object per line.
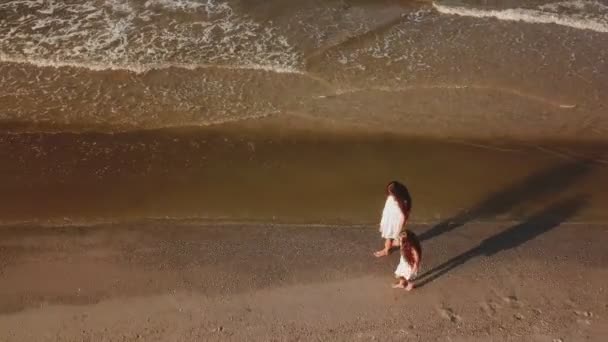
{"type": "Point", "coordinates": [583, 15]}
{"type": "Point", "coordinates": [140, 68]}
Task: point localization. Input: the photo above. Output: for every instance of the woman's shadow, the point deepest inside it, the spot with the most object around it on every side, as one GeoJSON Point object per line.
{"type": "Point", "coordinates": [534, 226]}
{"type": "Point", "coordinates": [543, 183]}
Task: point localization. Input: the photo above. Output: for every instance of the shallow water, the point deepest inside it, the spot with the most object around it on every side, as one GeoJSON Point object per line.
{"type": "Point", "coordinates": [517, 69]}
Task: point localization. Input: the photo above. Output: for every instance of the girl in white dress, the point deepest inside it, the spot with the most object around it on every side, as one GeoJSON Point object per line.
{"type": "Point", "coordinates": [409, 263]}
{"type": "Point", "coordinates": [394, 216]}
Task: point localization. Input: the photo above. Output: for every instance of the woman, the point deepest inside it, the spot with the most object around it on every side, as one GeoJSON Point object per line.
{"type": "Point", "coordinates": [394, 216]}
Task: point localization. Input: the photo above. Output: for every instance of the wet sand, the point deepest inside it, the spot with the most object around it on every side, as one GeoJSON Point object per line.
{"type": "Point", "coordinates": [539, 280]}
{"type": "Point", "coordinates": [291, 174]}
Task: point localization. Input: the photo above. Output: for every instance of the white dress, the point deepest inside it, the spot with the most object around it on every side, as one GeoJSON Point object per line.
{"type": "Point", "coordinates": [392, 219]}
{"type": "Point", "coordinates": [404, 270]}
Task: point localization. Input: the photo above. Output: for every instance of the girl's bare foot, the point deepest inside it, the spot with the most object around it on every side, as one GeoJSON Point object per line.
{"type": "Point", "coordinates": [398, 286]}
{"type": "Point", "coordinates": [409, 287]}
{"type": "Point", "coordinates": [381, 253]}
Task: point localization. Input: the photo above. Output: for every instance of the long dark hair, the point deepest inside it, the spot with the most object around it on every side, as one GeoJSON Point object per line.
{"type": "Point", "coordinates": [401, 195]}
{"type": "Point", "coordinates": [410, 241]}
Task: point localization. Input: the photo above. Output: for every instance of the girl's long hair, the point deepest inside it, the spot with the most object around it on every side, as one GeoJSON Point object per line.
{"type": "Point", "coordinates": [409, 241]}
{"type": "Point", "coordinates": [402, 195]}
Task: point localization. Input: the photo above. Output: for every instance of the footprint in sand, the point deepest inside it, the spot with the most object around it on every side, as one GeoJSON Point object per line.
{"type": "Point", "coordinates": [449, 314]}
{"type": "Point", "coordinates": [587, 314]}
{"type": "Point", "coordinates": [490, 308]}
{"type": "Point", "coordinates": [513, 301]}
{"type": "Point", "coordinates": [585, 317]}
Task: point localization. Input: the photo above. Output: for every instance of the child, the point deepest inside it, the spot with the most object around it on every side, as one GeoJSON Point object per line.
{"type": "Point", "coordinates": [394, 216]}
{"type": "Point", "coordinates": [409, 263]}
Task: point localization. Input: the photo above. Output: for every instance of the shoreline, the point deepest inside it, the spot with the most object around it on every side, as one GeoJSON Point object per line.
{"type": "Point", "coordinates": [230, 224]}
{"type": "Point", "coordinates": [312, 127]}
{"type": "Point", "coordinates": [159, 281]}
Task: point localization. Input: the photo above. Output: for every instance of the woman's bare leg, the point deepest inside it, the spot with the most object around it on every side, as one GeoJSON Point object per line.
{"type": "Point", "coordinates": [387, 247]}
{"type": "Point", "coordinates": [401, 284]}
{"type": "Point", "coordinates": [409, 286]}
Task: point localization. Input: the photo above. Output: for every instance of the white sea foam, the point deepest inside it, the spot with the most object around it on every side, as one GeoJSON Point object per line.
{"type": "Point", "coordinates": [129, 34]}
{"type": "Point", "coordinates": [579, 5]}
{"type": "Point", "coordinates": [178, 5]}
{"type": "Point", "coordinates": [140, 68]}
{"type": "Point", "coordinates": [578, 14]}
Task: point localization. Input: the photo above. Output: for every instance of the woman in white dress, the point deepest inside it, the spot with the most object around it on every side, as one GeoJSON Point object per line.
{"type": "Point", "coordinates": [394, 216]}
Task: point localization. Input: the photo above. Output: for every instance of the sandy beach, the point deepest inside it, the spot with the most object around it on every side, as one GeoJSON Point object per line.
{"type": "Point", "coordinates": [536, 280]}
{"type": "Point", "coordinates": [200, 170]}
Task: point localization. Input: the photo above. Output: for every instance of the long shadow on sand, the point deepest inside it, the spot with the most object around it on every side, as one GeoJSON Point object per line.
{"type": "Point", "coordinates": [534, 226]}
{"type": "Point", "coordinates": [543, 183]}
